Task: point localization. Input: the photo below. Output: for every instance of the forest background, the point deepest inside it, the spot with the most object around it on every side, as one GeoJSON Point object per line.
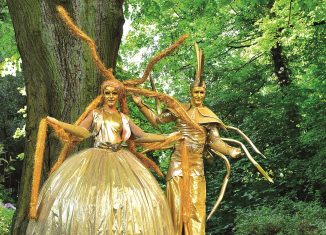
{"type": "Point", "coordinates": [265, 73]}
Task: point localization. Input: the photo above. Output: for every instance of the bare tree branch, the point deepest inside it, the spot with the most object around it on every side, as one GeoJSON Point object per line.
{"type": "Point", "coordinates": [290, 13]}
{"type": "Point", "coordinates": [241, 46]}
{"type": "Point", "coordinates": [319, 23]}
{"type": "Point", "coordinates": [245, 64]}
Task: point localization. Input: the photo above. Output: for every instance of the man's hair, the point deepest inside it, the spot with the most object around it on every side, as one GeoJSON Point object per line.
{"type": "Point", "coordinates": [196, 84]}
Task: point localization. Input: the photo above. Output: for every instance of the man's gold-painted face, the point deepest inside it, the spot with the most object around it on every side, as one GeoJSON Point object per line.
{"type": "Point", "coordinates": [198, 95]}
{"type": "Point", "coordinates": [111, 95]}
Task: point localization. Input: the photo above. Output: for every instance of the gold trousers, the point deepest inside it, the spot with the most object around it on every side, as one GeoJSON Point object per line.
{"type": "Point", "coordinates": [196, 223]}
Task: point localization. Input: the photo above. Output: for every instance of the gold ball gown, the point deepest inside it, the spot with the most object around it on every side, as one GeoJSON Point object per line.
{"type": "Point", "coordinates": [102, 191]}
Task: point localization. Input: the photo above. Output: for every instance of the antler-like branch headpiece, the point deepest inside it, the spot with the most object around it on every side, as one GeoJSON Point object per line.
{"type": "Point", "coordinates": [200, 68]}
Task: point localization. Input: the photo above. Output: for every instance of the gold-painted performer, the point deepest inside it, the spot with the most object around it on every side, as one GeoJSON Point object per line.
{"type": "Point", "coordinates": [105, 189]}
{"type": "Point", "coordinates": [195, 142]}
{"type": "Point", "coordinates": [189, 215]}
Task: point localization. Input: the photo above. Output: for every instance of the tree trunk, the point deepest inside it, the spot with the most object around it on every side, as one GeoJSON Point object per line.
{"type": "Point", "coordinates": [60, 76]}
{"type": "Point", "coordinates": [280, 66]}
{"type": "Point", "coordinates": [283, 73]}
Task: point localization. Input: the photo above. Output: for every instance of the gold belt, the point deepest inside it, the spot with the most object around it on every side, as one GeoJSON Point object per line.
{"type": "Point", "coordinates": [108, 145]}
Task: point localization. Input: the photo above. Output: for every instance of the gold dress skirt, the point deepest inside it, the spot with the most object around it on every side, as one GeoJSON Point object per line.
{"type": "Point", "coordinates": [98, 191]}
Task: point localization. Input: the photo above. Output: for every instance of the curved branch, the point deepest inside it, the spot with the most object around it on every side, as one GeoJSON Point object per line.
{"type": "Point", "coordinates": [247, 139]}
{"type": "Point", "coordinates": [63, 14]}
{"type": "Point", "coordinates": [225, 182]}
{"type": "Point", "coordinates": [38, 162]}
{"type": "Point", "coordinates": [248, 62]}
{"type": "Point", "coordinates": [170, 102]}
{"type": "Point", "coordinates": [259, 168]}
{"type": "Point", "coordinates": [167, 143]}
{"type": "Point", "coordinates": [154, 60]}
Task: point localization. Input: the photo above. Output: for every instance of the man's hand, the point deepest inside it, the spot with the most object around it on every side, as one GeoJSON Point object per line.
{"type": "Point", "coordinates": [236, 153]}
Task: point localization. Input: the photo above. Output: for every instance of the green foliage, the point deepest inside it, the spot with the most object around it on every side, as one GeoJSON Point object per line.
{"type": "Point", "coordinates": [11, 101]}
{"type": "Point", "coordinates": [245, 89]}
{"type": "Point", "coordinates": [8, 48]}
{"type": "Point", "coordinates": [5, 220]}
{"type": "Point", "coordinates": [5, 195]}
{"type": "Point", "coordinates": [286, 217]}
{"type": "Point", "coordinates": [5, 214]}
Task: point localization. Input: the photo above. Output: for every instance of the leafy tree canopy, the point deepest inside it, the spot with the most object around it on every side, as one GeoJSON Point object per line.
{"type": "Point", "coordinates": [264, 67]}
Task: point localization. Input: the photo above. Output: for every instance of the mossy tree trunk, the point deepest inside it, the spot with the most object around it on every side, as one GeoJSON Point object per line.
{"type": "Point", "coordinates": [60, 77]}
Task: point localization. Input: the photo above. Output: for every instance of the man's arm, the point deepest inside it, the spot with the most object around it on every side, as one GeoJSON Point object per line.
{"type": "Point", "coordinates": [165, 117]}
{"type": "Point", "coordinates": [216, 143]}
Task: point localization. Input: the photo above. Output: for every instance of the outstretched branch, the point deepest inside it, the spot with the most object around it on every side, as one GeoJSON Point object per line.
{"type": "Point", "coordinates": [225, 182]}
{"type": "Point", "coordinates": [169, 101]}
{"type": "Point", "coordinates": [154, 60]}
{"type": "Point", "coordinates": [245, 64]}
{"type": "Point", "coordinates": [63, 14]}
{"type": "Point", "coordinates": [240, 46]}
{"type": "Point", "coordinates": [259, 168]}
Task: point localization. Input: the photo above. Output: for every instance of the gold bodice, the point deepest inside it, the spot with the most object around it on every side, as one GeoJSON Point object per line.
{"type": "Point", "coordinates": [107, 127]}
{"type": "Point", "coordinates": [195, 141]}
{"type": "Point", "coordinates": [193, 136]}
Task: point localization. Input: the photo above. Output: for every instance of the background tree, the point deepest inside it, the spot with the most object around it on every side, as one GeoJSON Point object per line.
{"type": "Point", "coordinates": [12, 120]}
{"type": "Point", "coordinates": [60, 77]}
{"type": "Point", "coordinates": [264, 69]}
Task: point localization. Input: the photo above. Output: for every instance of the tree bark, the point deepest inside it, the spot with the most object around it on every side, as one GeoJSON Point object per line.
{"type": "Point", "coordinates": [280, 66]}
{"type": "Point", "coordinates": [60, 76]}
{"type": "Point", "coordinates": [283, 73]}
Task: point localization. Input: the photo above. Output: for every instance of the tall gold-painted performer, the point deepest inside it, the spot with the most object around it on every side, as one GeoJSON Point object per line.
{"type": "Point", "coordinates": [186, 186]}
{"type": "Point", "coordinates": [106, 189]}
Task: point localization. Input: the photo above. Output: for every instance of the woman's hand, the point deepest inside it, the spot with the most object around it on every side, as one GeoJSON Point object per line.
{"type": "Point", "coordinates": [52, 120]}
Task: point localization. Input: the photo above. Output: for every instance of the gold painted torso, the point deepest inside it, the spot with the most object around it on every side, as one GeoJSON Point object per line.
{"type": "Point", "coordinates": [107, 127]}
{"type": "Point", "coordinates": [193, 136]}
{"type": "Point", "coordinates": [195, 141]}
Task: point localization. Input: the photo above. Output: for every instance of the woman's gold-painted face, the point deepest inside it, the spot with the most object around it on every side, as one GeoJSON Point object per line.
{"type": "Point", "coordinates": [111, 95]}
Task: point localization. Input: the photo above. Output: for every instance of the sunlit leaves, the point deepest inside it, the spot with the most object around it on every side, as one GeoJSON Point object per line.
{"type": "Point", "coordinates": [8, 48]}
{"type": "Point", "coordinates": [286, 123]}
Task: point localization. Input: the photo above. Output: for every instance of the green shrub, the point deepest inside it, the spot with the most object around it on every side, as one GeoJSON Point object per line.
{"type": "Point", "coordinates": [5, 195]}
{"type": "Point", "coordinates": [286, 217]}
{"type": "Point", "coordinates": [5, 220]}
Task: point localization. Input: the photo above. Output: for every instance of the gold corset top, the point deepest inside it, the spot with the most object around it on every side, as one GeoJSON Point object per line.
{"type": "Point", "coordinates": [195, 141]}
{"type": "Point", "coordinates": [107, 127]}
{"type": "Point", "coordinates": [193, 136]}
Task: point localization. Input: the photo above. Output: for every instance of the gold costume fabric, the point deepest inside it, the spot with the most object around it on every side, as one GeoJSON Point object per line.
{"type": "Point", "coordinates": [196, 223]}
{"type": "Point", "coordinates": [98, 191]}
{"type": "Point", "coordinates": [197, 188]}
{"type": "Point", "coordinates": [189, 217]}
{"type": "Point", "coordinates": [195, 141]}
